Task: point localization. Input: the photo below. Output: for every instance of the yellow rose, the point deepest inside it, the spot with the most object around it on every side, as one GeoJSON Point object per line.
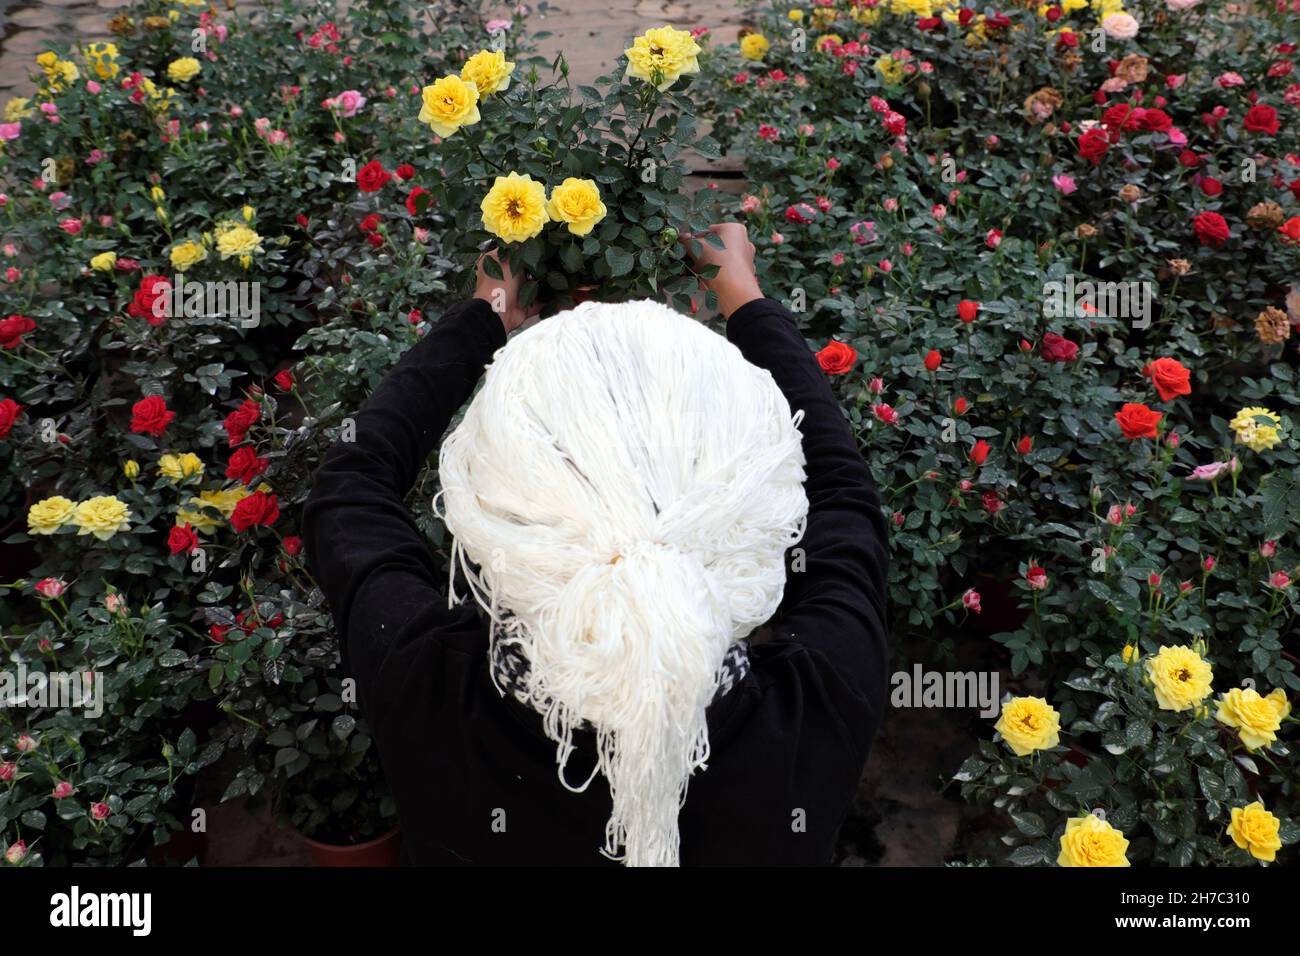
{"type": "Point", "coordinates": [1257, 719]}
{"type": "Point", "coordinates": [1180, 676]}
{"type": "Point", "coordinates": [1131, 653]}
{"type": "Point", "coordinates": [49, 515]}
{"type": "Point", "coordinates": [238, 240]}
{"type": "Point", "coordinates": [19, 107]}
{"type": "Point", "coordinates": [101, 58]}
{"type": "Point", "coordinates": [180, 467]}
{"type": "Point", "coordinates": [665, 53]}
{"type": "Point", "coordinates": [1257, 428]}
{"type": "Point", "coordinates": [1028, 724]}
{"type": "Point", "coordinates": [488, 71]}
{"type": "Point", "coordinates": [888, 67]}
{"type": "Point", "coordinates": [1255, 829]}
{"type": "Point", "coordinates": [182, 70]}
{"type": "Point", "coordinates": [823, 17]}
{"type": "Point", "coordinates": [754, 46]}
{"type": "Point", "coordinates": [131, 468]}
{"type": "Point", "coordinates": [449, 104]}
{"type": "Point", "coordinates": [248, 212]}
{"type": "Point", "coordinates": [103, 516]}
{"type": "Point", "coordinates": [515, 208]}
{"type": "Point", "coordinates": [795, 15]}
{"type": "Point", "coordinates": [187, 254]}
{"type": "Point", "coordinates": [156, 194]}
{"type": "Point", "coordinates": [1091, 841]}
{"type": "Point", "coordinates": [222, 501]}
{"type": "Point", "coordinates": [104, 262]}
{"type": "Point", "coordinates": [1069, 6]}
{"type": "Point", "coordinates": [576, 202]}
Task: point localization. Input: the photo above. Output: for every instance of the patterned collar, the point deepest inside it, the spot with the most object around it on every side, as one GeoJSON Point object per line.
{"type": "Point", "coordinates": [509, 670]}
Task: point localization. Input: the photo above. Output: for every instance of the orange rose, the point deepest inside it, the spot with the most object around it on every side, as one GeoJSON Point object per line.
{"type": "Point", "coordinates": [1137, 421]}
{"type": "Point", "coordinates": [1170, 377]}
{"type": "Point", "coordinates": [837, 358]}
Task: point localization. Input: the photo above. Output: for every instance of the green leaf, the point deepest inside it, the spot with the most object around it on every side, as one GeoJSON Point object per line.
{"type": "Point", "coordinates": [620, 261]}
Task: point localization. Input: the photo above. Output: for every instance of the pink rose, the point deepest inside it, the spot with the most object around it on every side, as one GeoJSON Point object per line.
{"type": "Point", "coordinates": [51, 587]}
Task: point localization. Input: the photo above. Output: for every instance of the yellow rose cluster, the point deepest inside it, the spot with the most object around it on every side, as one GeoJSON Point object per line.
{"type": "Point", "coordinates": [57, 72]}
{"type": "Point", "coordinates": [516, 207]}
{"type": "Point", "coordinates": [1257, 428]}
{"type": "Point", "coordinates": [452, 101]}
{"type": "Point", "coordinates": [103, 516]}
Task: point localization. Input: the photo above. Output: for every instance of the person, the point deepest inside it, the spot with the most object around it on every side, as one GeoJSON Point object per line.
{"type": "Point", "coordinates": [676, 651]}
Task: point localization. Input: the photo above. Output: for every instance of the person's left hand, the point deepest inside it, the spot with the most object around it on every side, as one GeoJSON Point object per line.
{"type": "Point", "coordinates": [503, 294]}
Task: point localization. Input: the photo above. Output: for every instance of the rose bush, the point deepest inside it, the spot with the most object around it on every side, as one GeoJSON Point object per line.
{"type": "Point", "coordinates": [929, 185]}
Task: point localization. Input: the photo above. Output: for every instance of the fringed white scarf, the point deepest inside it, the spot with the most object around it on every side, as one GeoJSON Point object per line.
{"type": "Point", "coordinates": [622, 492]}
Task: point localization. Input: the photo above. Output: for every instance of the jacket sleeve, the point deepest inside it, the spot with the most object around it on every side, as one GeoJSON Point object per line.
{"type": "Point", "coordinates": [362, 544]}
{"type": "Point", "coordinates": [835, 591]}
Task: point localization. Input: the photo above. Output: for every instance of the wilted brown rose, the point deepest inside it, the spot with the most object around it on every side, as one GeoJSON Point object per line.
{"type": "Point", "coordinates": [1265, 216]}
{"type": "Point", "coordinates": [1132, 69]}
{"type": "Point", "coordinates": [1273, 326]}
{"type": "Point", "coordinates": [1085, 231]}
{"type": "Point", "coordinates": [1180, 267]}
{"type": "Point", "coordinates": [1070, 60]}
{"type": "Point", "coordinates": [1130, 193]}
{"type": "Point", "coordinates": [121, 25]}
{"type": "Point", "coordinates": [887, 161]}
{"type": "Point", "coordinates": [1040, 105]}
{"type": "Point", "coordinates": [156, 23]}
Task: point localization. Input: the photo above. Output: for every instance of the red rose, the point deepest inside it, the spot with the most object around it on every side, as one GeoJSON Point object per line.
{"type": "Point", "coordinates": [372, 176]}
{"type": "Point", "coordinates": [1211, 186]}
{"type": "Point", "coordinates": [1157, 121]}
{"type": "Point", "coordinates": [1170, 377]}
{"type": "Point", "coordinates": [284, 380]}
{"type": "Point", "coordinates": [413, 204]}
{"type": "Point", "coordinates": [375, 239]}
{"type": "Point", "coordinates": [13, 329]}
{"type": "Point", "coordinates": [259, 508]}
{"type": "Point", "coordinates": [991, 502]}
{"type": "Point", "coordinates": [152, 288]}
{"type": "Point", "coordinates": [218, 632]}
{"type": "Point", "coordinates": [929, 23]}
{"type": "Point", "coordinates": [1025, 445]}
{"type": "Point", "coordinates": [933, 359]}
{"type": "Point", "coordinates": [1294, 186]}
{"type": "Point", "coordinates": [1290, 230]}
{"type": "Point", "coordinates": [245, 466]}
{"type": "Point", "coordinates": [301, 220]}
{"type": "Point", "coordinates": [370, 223]}
{"type": "Point", "coordinates": [965, 15]}
{"type": "Point", "coordinates": [1261, 119]}
{"type": "Point", "coordinates": [1093, 145]}
{"type": "Point", "coordinates": [1211, 228]}
{"type": "Point", "coordinates": [1189, 159]}
{"type": "Point", "coordinates": [239, 421]}
{"type": "Point", "coordinates": [1137, 421]}
{"type": "Point", "coordinates": [150, 416]}
{"type": "Point", "coordinates": [404, 171]}
{"type": "Point", "coordinates": [1035, 576]}
{"type": "Point", "coordinates": [837, 358]}
{"type": "Point", "coordinates": [1056, 348]}
{"type": "Point", "coordinates": [967, 310]}
{"type": "Point", "coordinates": [1119, 117]}
{"type": "Point", "coordinates": [9, 412]}
{"type": "Point", "coordinates": [979, 452]}
{"type": "Point", "coordinates": [182, 538]}
{"type": "Point", "coordinates": [292, 545]}
{"type": "Point", "coordinates": [959, 406]}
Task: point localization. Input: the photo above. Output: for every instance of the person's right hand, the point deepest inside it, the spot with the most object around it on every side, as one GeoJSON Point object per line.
{"type": "Point", "coordinates": [736, 282]}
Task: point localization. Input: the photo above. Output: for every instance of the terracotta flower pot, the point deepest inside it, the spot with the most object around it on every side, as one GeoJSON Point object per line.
{"type": "Point", "coordinates": [381, 851]}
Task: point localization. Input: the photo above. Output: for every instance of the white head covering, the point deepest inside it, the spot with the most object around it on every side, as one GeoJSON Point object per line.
{"type": "Point", "coordinates": [627, 485]}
